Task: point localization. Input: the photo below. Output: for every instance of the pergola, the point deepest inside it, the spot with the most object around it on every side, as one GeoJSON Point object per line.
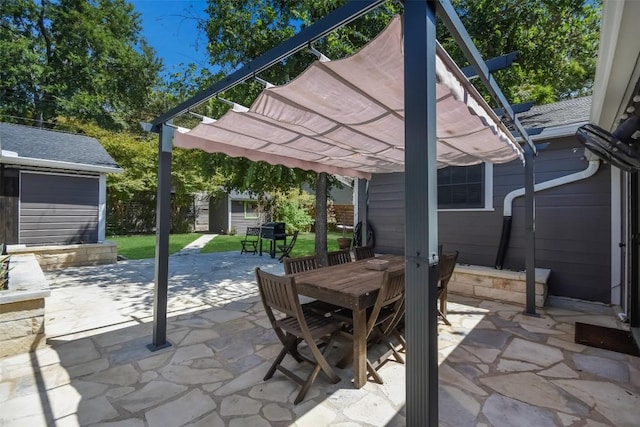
{"type": "Point", "coordinates": [399, 104]}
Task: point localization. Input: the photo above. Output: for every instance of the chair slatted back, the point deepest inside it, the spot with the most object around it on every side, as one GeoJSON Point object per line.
{"type": "Point", "coordinates": [295, 237]}
{"type": "Point", "coordinates": [363, 252]}
{"type": "Point", "coordinates": [299, 264]}
{"type": "Point", "coordinates": [391, 294]}
{"type": "Point", "coordinates": [446, 265]}
{"type": "Point", "coordinates": [339, 257]}
{"type": "Point", "coordinates": [278, 293]}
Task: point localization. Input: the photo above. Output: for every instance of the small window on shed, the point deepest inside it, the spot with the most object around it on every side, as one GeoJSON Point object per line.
{"type": "Point", "coordinates": [250, 210]}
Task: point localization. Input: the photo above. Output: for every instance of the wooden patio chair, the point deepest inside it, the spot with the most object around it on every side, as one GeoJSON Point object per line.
{"type": "Point", "coordinates": [307, 263]}
{"type": "Point", "coordinates": [363, 252]}
{"type": "Point", "coordinates": [299, 264]}
{"type": "Point", "coordinates": [446, 266]}
{"type": "Point", "coordinates": [250, 241]}
{"type": "Point", "coordinates": [339, 257]}
{"type": "Point", "coordinates": [286, 249]}
{"type": "Point", "coordinates": [279, 294]}
{"type": "Point", "coordinates": [382, 321]}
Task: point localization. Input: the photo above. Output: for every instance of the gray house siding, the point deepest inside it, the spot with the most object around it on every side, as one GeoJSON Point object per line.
{"type": "Point", "coordinates": [386, 211]}
{"type": "Point", "coordinates": [572, 223]}
{"type": "Point", "coordinates": [238, 220]}
{"type": "Point", "coordinates": [58, 209]}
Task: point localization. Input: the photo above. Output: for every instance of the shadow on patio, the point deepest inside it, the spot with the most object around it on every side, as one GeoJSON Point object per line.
{"type": "Point", "coordinates": [497, 366]}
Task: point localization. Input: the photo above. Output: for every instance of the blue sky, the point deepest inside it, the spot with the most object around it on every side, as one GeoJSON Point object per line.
{"type": "Point", "coordinates": [170, 27]}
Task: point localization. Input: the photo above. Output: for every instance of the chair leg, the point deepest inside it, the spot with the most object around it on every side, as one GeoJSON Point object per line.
{"type": "Point", "coordinates": [393, 349]}
{"type": "Point", "coordinates": [290, 345]}
{"type": "Point", "coordinates": [444, 318]}
{"type": "Point", "coordinates": [403, 343]}
{"type": "Point", "coordinates": [285, 253]}
{"type": "Point", "coordinates": [321, 365]}
{"type": "Point", "coordinates": [322, 362]}
{"type": "Point", "coordinates": [305, 388]}
{"type": "Point", "coordinates": [372, 372]}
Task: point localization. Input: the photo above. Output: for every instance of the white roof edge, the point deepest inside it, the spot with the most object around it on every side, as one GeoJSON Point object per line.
{"type": "Point", "coordinates": [556, 131]}
{"type": "Point", "coordinates": [617, 61]}
{"type": "Point", "coordinates": [9, 157]}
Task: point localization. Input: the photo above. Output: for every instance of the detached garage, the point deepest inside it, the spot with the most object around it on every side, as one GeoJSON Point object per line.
{"type": "Point", "coordinates": [52, 187]}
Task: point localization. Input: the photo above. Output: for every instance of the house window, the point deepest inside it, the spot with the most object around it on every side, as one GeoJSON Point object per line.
{"type": "Point", "coordinates": [250, 210]}
{"type": "Point", "coordinates": [466, 187]}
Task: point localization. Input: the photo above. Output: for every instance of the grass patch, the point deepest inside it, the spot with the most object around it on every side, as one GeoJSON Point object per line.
{"type": "Point", "coordinates": [305, 245]}
{"type": "Point", "coordinates": [141, 247]}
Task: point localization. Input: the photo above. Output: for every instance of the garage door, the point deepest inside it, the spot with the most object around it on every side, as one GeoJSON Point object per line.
{"type": "Point", "coordinates": [60, 209]}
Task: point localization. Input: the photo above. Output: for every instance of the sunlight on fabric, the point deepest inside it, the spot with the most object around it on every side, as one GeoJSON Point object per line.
{"type": "Point", "coordinates": [346, 117]}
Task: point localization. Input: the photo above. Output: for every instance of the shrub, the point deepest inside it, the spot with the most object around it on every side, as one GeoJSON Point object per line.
{"type": "Point", "coordinates": [293, 208]}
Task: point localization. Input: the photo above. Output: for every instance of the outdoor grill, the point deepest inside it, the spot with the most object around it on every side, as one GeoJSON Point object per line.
{"type": "Point", "coordinates": [272, 231]}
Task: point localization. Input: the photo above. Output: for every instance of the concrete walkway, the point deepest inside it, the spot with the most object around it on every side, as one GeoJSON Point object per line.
{"type": "Point", "coordinates": [497, 366]}
{"type": "Point", "coordinates": [195, 246]}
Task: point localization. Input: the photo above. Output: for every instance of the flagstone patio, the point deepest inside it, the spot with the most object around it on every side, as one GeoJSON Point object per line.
{"type": "Point", "coordinates": [497, 366]}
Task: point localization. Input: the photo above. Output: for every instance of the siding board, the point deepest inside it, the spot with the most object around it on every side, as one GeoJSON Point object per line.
{"type": "Point", "coordinates": [58, 209]}
{"type": "Point", "coordinates": [573, 236]}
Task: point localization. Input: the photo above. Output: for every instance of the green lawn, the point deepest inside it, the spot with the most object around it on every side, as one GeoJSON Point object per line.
{"type": "Point", "coordinates": [140, 247]}
{"type": "Point", "coordinates": [304, 245]}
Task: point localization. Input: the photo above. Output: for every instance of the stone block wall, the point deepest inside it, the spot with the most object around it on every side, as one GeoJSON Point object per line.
{"type": "Point", "coordinates": [22, 307]}
{"type": "Point", "coordinates": [498, 285]}
{"type": "Point", "coordinates": [61, 256]}
{"type": "Point", "coordinates": [21, 327]}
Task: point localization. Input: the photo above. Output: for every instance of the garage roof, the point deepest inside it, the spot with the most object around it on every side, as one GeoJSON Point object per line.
{"type": "Point", "coordinates": [25, 145]}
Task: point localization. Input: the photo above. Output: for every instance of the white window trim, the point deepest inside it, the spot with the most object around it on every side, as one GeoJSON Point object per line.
{"type": "Point", "coordinates": [488, 193]}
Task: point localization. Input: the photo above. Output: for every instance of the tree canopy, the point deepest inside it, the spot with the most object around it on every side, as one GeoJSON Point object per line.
{"type": "Point", "coordinates": [557, 41]}
{"type": "Point", "coordinates": [73, 58]}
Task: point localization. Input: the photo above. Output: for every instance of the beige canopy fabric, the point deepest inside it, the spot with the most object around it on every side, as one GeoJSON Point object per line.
{"type": "Point", "coordinates": [346, 117]}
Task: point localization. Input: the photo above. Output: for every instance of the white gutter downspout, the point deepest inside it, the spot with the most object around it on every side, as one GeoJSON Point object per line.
{"type": "Point", "coordinates": [592, 168]}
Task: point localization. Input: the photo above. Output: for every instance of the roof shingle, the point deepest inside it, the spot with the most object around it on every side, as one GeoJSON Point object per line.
{"type": "Point", "coordinates": [54, 146]}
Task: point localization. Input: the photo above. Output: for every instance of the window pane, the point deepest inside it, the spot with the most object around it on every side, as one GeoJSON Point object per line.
{"type": "Point", "coordinates": [474, 173]}
{"type": "Point", "coordinates": [444, 175]}
{"type": "Point", "coordinates": [461, 187]}
{"type": "Point", "coordinates": [459, 174]}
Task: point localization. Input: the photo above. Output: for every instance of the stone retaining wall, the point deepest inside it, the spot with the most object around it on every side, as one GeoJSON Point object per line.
{"type": "Point", "coordinates": [499, 285]}
{"type": "Point", "coordinates": [61, 256]}
{"type": "Point", "coordinates": [22, 307]}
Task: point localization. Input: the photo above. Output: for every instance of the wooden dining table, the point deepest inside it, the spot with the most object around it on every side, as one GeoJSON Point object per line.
{"type": "Point", "coordinates": [351, 285]}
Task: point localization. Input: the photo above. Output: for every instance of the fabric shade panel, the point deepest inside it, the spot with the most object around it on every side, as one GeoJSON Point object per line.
{"type": "Point", "coordinates": [346, 117]}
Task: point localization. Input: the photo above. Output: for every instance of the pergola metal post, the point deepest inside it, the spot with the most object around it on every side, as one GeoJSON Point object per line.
{"type": "Point", "coordinates": [361, 207]}
{"type": "Point", "coordinates": [452, 21]}
{"type": "Point", "coordinates": [163, 215]}
{"type": "Point", "coordinates": [530, 228]}
{"type": "Point", "coordinates": [421, 215]}
{"type": "Point", "coordinates": [634, 255]}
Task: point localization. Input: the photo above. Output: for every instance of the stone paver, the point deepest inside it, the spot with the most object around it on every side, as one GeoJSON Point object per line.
{"type": "Point", "coordinates": [498, 366]}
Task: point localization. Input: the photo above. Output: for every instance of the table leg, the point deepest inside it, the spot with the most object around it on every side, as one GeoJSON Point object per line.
{"type": "Point", "coordinates": [260, 246]}
{"type": "Point", "coordinates": [359, 348]}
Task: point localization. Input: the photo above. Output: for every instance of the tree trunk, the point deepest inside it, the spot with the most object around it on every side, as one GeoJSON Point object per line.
{"type": "Point", "coordinates": [321, 219]}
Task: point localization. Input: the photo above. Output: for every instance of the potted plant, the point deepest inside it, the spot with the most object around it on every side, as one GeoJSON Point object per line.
{"type": "Point", "coordinates": [344, 242]}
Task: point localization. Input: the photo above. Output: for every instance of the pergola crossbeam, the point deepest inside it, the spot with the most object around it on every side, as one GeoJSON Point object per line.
{"type": "Point", "coordinates": [450, 17]}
